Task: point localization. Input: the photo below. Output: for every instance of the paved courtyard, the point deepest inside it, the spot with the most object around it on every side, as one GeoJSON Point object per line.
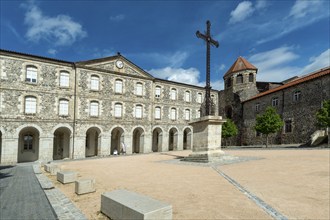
{"type": "Point", "coordinates": [293, 182]}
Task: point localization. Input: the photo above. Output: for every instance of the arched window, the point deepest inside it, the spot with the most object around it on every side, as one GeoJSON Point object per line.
{"type": "Point", "coordinates": [119, 86]}
{"type": "Point", "coordinates": [139, 89]}
{"type": "Point", "coordinates": [94, 108]}
{"type": "Point", "coordinates": [64, 79]}
{"type": "Point", "coordinates": [173, 113]}
{"type": "Point", "coordinates": [64, 107]}
{"type": "Point", "coordinates": [95, 82]}
{"type": "Point", "coordinates": [173, 94]}
{"type": "Point", "coordinates": [239, 79]}
{"type": "Point", "coordinates": [138, 111]}
{"type": "Point", "coordinates": [199, 97]}
{"type": "Point", "coordinates": [187, 114]}
{"type": "Point", "coordinates": [251, 77]}
{"type": "Point", "coordinates": [187, 96]}
{"type": "Point", "coordinates": [30, 105]}
{"type": "Point", "coordinates": [118, 110]}
{"type": "Point", "coordinates": [31, 74]}
{"type": "Point", "coordinates": [157, 91]}
{"type": "Point", "coordinates": [157, 112]}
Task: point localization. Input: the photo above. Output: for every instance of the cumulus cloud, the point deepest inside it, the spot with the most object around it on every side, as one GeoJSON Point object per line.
{"type": "Point", "coordinates": [241, 12]}
{"type": "Point", "coordinates": [119, 17]}
{"type": "Point", "coordinates": [60, 30]}
{"type": "Point", "coordinates": [318, 62]}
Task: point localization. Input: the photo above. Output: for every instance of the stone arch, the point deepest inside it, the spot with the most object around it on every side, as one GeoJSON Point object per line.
{"type": "Point", "coordinates": [28, 144]}
{"type": "Point", "coordinates": [18, 130]}
{"type": "Point", "coordinates": [138, 140]}
{"type": "Point", "coordinates": [157, 139]}
{"type": "Point", "coordinates": [62, 125]}
{"type": "Point", "coordinates": [62, 142]}
{"type": "Point", "coordinates": [117, 140]}
{"type": "Point", "coordinates": [173, 139]}
{"type": "Point", "coordinates": [93, 141]}
{"type": "Point", "coordinates": [187, 138]}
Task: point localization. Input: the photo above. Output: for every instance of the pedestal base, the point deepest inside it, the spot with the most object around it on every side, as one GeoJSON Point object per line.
{"type": "Point", "coordinates": [206, 140]}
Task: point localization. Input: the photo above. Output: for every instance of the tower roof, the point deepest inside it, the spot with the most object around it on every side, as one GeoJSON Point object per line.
{"type": "Point", "coordinates": [239, 65]}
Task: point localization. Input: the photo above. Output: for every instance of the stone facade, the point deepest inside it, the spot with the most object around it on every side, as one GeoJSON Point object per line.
{"type": "Point", "coordinates": [90, 126]}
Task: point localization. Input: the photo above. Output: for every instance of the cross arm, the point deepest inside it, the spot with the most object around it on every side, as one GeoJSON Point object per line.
{"type": "Point", "coordinates": [214, 42]}
{"type": "Point", "coordinates": [200, 35]}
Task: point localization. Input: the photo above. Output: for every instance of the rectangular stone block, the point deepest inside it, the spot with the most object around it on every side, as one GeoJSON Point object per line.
{"type": "Point", "coordinates": [123, 204]}
{"type": "Point", "coordinates": [85, 186]}
{"type": "Point", "coordinates": [66, 176]}
{"type": "Point", "coordinates": [47, 167]}
{"type": "Point", "coordinates": [54, 170]}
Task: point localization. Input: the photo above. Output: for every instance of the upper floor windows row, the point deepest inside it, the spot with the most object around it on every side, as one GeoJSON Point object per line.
{"type": "Point", "coordinates": [31, 76]}
{"type": "Point", "coordinates": [174, 95]}
{"type": "Point", "coordinates": [30, 106]}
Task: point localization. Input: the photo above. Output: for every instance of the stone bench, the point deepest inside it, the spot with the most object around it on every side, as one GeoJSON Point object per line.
{"type": "Point", "coordinates": [123, 204]}
{"type": "Point", "coordinates": [66, 176]}
{"type": "Point", "coordinates": [85, 186]}
{"type": "Point", "coordinates": [47, 167]}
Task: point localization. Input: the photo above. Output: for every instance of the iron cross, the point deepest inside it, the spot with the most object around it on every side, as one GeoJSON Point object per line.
{"type": "Point", "coordinates": [209, 41]}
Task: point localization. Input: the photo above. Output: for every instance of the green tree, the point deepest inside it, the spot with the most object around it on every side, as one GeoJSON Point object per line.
{"type": "Point", "coordinates": [229, 129]}
{"type": "Point", "coordinates": [323, 117]}
{"type": "Point", "coordinates": [269, 122]}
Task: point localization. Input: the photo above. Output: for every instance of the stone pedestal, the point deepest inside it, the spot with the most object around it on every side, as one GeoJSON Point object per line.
{"type": "Point", "coordinates": [66, 176]}
{"type": "Point", "coordinates": [206, 139]}
{"type": "Point", "coordinates": [85, 186]}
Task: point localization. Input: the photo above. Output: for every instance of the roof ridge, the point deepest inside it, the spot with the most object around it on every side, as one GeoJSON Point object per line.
{"type": "Point", "coordinates": [240, 64]}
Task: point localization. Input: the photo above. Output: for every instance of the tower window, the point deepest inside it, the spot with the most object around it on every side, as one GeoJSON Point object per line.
{"type": "Point", "coordinates": [239, 79]}
{"type": "Point", "coordinates": [251, 77]}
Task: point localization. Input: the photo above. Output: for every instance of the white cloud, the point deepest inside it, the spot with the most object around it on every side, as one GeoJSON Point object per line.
{"type": "Point", "coordinates": [174, 60]}
{"type": "Point", "coordinates": [60, 30]}
{"type": "Point", "coordinates": [119, 17]}
{"type": "Point", "coordinates": [52, 51]}
{"type": "Point", "coordinates": [321, 61]}
{"type": "Point", "coordinates": [301, 8]}
{"type": "Point", "coordinates": [261, 4]}
{"type": "Point", "coordinates": [241, 12]}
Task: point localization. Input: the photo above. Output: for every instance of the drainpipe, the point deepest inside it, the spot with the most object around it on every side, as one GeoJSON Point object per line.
{"type": "Point", "coordinates": [74, 108]}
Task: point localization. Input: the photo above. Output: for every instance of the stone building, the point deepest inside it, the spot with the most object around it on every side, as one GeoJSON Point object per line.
{"type": "Point", "coordinates": [297, 100]}
{"type": "Point", "coordinates": [52, 109]}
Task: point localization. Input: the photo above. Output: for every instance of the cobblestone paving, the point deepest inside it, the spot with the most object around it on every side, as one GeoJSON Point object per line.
{"type": "Point", "coordinates": [21, 196]}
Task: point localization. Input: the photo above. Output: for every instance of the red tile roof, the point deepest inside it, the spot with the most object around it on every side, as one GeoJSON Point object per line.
{"type": "Point", "coordinates": [239, 65]}
{"type": "Point", "coordinates": [311, 76]}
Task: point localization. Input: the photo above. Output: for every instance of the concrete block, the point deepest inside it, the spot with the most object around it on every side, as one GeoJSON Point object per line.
{"type": "Point", "coordinates": [66, 176]}
{"type": "Point", "coordinates": [47, 167]}
{"type": "Point", "coordinates": [85, 186]}
{"type": "Point", "coordinates": [54, 170]}
{"type": "Point", "coordinates": [123, 204]}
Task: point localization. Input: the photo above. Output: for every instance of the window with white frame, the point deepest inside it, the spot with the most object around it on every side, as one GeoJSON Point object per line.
{"type": "Point", "coordinates": [139, 89]}
{"type": "Point", "coordinates": [94, 108]}
{"type": "Point", "coordinates": [31, 74]}
{"type": "Point", "coordinates": [275, 101]}
{"type": "Point", "coordinates": [173, 113]}
{"type": "Point", "coordinates": [30, 105]}
{"type": "Point", "coordinates": [28, 142]}
{"type": "Point", "coordinates": [173, 94]}
{"type": "Point", "coordinates": [157, 113]}
{"type": "Point", "coordinates": [138, 111]}
{"type": "Point", "coordinates": [64, 107]}
{"type": "Point", "coordinates": [296, 96]}
{"type": "Point", "coordinates": [198, 114]}
{"type": "Point", "coordinates": [187, 114]}
{"type": "Point", "coordinates": [199, 97]}
{"type": "Point", "coordinates": [187, 96]}
{"type": "Point", "coordinates": [64, 79]}
{"type": "Point", "coordinates": [119, 86]}
{"type": "Point", "coordinates": [95, 82]}
{"type": "Point", "coordinates": [157, 91]}
{"type": "Point", "coordinates": [118, 110]}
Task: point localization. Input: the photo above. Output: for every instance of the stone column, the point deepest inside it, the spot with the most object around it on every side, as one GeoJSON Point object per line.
{"type": "Point", "coordinates": [46, 148]}
{"type": "Point", "coordinates": [9, 150]}
{"type": "Point", "coordinates": [79, 147]}
{"type": "Point", "coordinates": [105, 145]}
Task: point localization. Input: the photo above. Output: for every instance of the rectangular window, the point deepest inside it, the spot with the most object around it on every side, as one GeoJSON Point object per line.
{"type": "Point", "coordinates": [187, 114]}
{"type": "Point", "coordinates": [173, 114]}
{"type": "Point", "coordinates": [28, 142]}
{"type": "Point", "coordinates": [157, 92]}
{"type": "Point", "coordinates": [198, 114]}
{"type": "Point", "coordinates": [64, 107]}
{"type": "Point", "coordinates": [187, 96]}
{"type": "Point", "coordinates": [275, 102]}
{"type": "Point", "coordinates": [64, 79]}
{"type": "Point", "coordinates": [95, 83]}
{"type": "Point", "coordinates": [30, 105]}
{"type": "Point", "coordinates": [139, 89]}
{"type": "Point", "coordinates": [119, 87]}
{"type": "Point", "coordinates": [138, 111]}
{"type": "Point", "coordinates": [31, 74]}
{"type": "Point", "coordinates": [199, 98]}
{"type": "Point", "coordinates": [257, 107]}
{"type": "Point", "coordinates": [288, 126]}
{"type": "Point", "coordinates": [173, 94]}
{"type": "Point", "coordinates": [297, 96]}
{"type": "Point", "coordinates": [157, 112]}
{"type": "Point", "coordinates": [94, 107]}
{"type": "Point", "coordinates": [118, 110]}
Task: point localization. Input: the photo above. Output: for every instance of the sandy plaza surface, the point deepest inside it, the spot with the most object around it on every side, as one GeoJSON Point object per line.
{"type": "Point", "coordinates": [293, 182]}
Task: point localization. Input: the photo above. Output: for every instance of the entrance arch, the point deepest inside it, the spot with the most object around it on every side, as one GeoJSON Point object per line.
{"type": "Point", "coordinates": [28, 145]}
{"type": "Point", "coordinates": [157, 140]}
{"type": "Point", "coordinates": [138, 140]}
{"type": "Point", "coordinates": [93, 140]}
{"type": "Point", "coordinates": [61, 143]}
{"type": "Point", "coordinates": [117, 140]}
{"type": "Point", "coordinates": [187, 139]}
{"type": "Point", "coordinates": [173, 139]}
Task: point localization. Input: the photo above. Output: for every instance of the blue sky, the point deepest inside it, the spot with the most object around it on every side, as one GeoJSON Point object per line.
{"type": "Point", "coordinates": [281, 38]}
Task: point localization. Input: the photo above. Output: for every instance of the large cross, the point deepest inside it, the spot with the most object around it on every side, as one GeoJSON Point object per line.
{"type": "Point", "coordinates": [207, 37]}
